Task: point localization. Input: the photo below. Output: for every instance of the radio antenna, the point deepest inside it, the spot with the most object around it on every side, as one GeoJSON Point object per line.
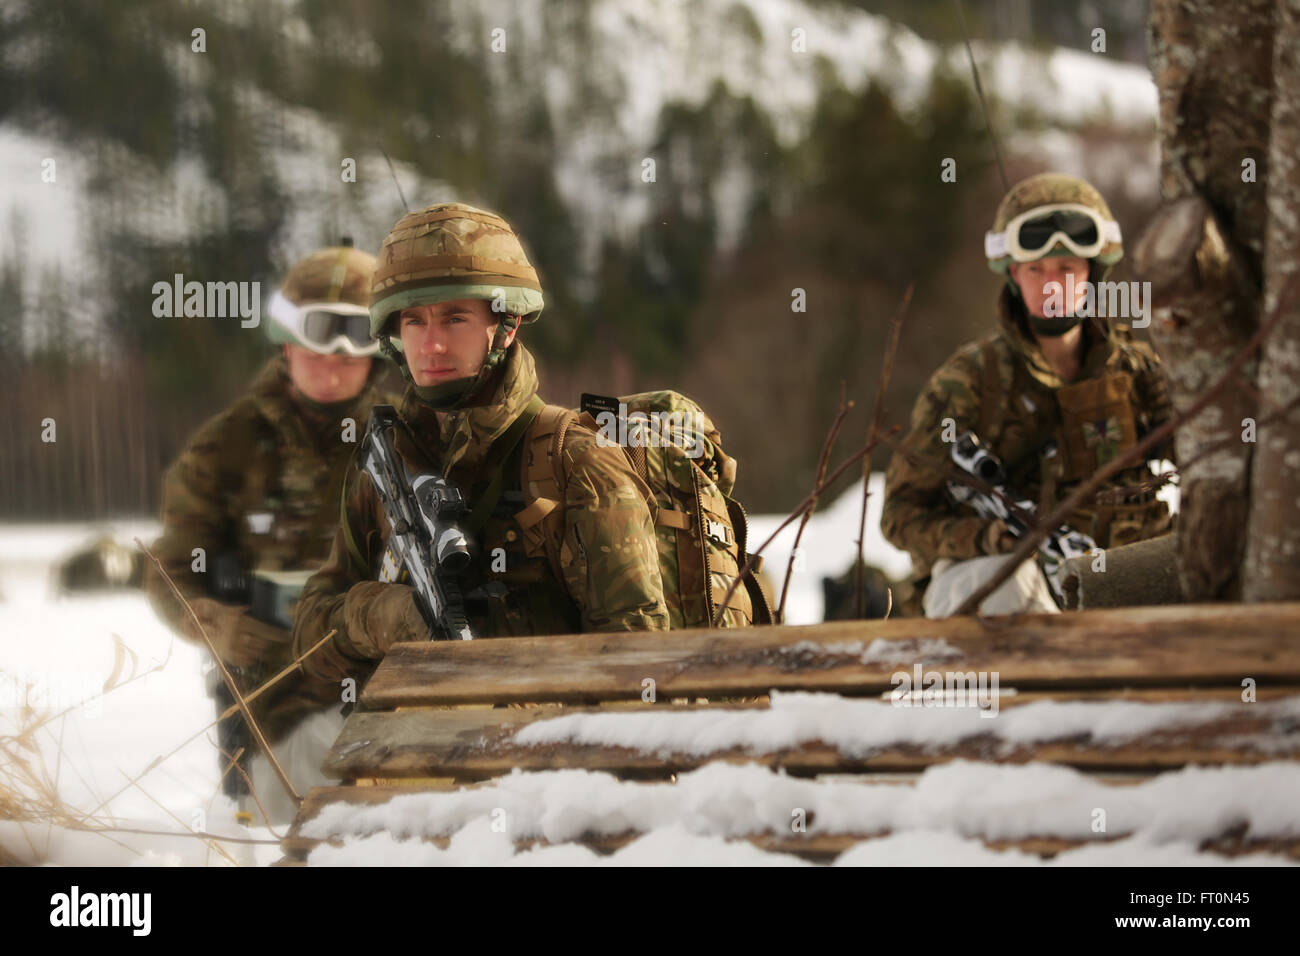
{"type": "Point", "coordinates": [392, 172]}
{"type": "Point", "coordinates": [979, 90]}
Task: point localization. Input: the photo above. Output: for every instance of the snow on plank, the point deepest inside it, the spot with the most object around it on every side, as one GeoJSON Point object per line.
{"type": "Point", "coordinates": [1035, 810]}
{"type": "Point", "coordinates": [1208, 644]}
{"type": "Point", "coordinates": [814, 733]}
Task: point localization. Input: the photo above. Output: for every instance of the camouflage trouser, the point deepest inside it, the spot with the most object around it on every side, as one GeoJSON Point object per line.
{"type": "Point", "coordinates": [951, 582]}
{"type": "Point", "coordinates": [300, 753]}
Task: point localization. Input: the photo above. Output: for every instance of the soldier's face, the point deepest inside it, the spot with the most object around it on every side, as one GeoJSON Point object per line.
{"type": "Point", "coordinates": [447, 340]}
{"type": "Point", "coordinates": [1036, 283]}
{"type": "Point", "coordinates": [326, 378]}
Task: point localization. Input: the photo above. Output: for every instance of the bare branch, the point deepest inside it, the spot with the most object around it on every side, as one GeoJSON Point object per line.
{"type": "Point", "coordinates": [886, 371]}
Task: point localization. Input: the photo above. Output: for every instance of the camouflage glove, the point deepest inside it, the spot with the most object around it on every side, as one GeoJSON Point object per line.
{"type": "Point", "coordinates": [240, 640]}
{"type": "Point", "coordinates": [997, 539]}
{"type": "Point", "coordinates": [379, 615]}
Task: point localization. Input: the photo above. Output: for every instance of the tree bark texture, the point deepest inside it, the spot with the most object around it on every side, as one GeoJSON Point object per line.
{"type": "Point", "coordinates": [1271, 570]}
{"type": "Point", "coordinates": [1204, 255]}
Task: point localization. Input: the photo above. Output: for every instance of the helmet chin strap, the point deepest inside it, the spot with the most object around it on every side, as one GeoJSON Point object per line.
{"type": "Point", "coordinates": [1054, 327]}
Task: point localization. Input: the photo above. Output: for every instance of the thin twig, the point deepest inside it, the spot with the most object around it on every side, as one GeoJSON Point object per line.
{"type": "Point", "coordinates": [158, 761]}
{"type": "Point", "coordinates": [229, 681]}
{"type": "Point", "coordinates": [802, 506]}
{"type": "Point", "coordinates": [252, 790]}
{"type": "Point", "coordinates": [886, 371]}
{"type": "Point", "coordinates": [844, 407]}
{"type": "Point", "coordinates": [165, 810]}
{"type": "Point", "coordinates": [168, 833]}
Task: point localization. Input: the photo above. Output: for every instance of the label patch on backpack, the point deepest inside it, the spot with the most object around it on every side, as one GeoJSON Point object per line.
{"type": "Point", "coordinates": [595, 404]}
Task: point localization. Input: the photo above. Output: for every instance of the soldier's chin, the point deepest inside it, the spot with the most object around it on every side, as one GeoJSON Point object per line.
{"type": "Point", "coordinates": [1055, 326]}
{"type": "Point", "coordinates": [430, 378]}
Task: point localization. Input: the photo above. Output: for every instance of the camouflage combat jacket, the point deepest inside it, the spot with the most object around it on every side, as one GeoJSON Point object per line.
{"type": "Point", "coordinates": [608, 552]}
{"type": "Point", "coordinates": [1004, 389]}
{"type": "Point", "coordinates": [258, 486]}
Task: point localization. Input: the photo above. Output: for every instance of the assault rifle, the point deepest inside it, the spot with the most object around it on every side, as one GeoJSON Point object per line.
{"type": "Point", "coordinates": [423, 513]}
{"type": "Point", "coordinates": [972, 457]}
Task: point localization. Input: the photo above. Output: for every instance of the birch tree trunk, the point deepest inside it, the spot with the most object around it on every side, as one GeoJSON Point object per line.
{"type": "Point", "coordinates": [1203, 253]}
{"type": "Point", "coordinates": [1271, 570]}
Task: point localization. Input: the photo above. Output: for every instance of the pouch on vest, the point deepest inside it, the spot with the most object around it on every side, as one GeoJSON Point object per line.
{"type": "Point", "coordinates": [1097, 423]}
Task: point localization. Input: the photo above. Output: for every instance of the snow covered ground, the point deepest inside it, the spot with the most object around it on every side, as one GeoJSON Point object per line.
{"type": "Point", "coordinates": [55, 653]}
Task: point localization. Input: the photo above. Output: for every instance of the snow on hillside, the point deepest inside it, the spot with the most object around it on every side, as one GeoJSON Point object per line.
{"type": "Point", "coordinates": [645, 55]}
{"type": "Point", "coordinates": [660, 52]}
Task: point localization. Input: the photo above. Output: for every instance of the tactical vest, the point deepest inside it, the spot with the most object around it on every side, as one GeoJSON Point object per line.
{"type": "Point", "coordinates": [510, 589]}
{"type": "Point", "coordinates": [279, 509]}
{"type": "Point", "coordinates": [1089, 423]}
{"type": "Point", "coordinates": [279, 505]}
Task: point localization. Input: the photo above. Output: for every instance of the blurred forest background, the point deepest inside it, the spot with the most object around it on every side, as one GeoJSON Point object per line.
{"type": "Point", "coordinates": [775, 170]}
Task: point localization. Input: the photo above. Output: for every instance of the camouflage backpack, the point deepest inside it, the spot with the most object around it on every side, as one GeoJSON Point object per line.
{"type": "Point", "coordinates": [675, 449]}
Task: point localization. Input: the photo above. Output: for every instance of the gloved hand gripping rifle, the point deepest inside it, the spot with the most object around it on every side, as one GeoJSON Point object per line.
{"type": "Point", "coordinates": [423, 513]}
{"type": "Point", "coordinates": [972, 457]}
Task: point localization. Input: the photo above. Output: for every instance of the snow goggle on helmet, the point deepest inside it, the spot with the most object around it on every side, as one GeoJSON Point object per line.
{"type": "Point", "coordinates": [326, 327]}
{"type": "Point", "coordinates": [1033, 233]}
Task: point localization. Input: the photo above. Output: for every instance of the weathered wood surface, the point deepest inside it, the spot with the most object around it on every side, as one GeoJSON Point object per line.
{"type": "Point", "coordinates": [472, 744]}
{"type": "Point", "coordinates": [815, 847]}
{"type": "Point", "coordinates": [1209, 644]}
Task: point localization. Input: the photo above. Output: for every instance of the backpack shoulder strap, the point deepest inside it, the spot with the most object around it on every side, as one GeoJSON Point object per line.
{"type": "Point", "coordinates": [542, 480]}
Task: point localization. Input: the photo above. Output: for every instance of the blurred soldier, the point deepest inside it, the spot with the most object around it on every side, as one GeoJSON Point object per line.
{"type": "Point", "coordinates": [101, 565]}
{"type": "Point", "coordinates": [839, 595]}
{"type": "Point", "coordinates": [1053, 394]}
{"type": "Point", "coordinates": [257, 490]}
{"type": "Point", "coordinates": [452, 288]}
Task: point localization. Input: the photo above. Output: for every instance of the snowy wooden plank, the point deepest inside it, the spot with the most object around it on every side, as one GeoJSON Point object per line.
{"type": "Point", "coordinates": [815, 847]}
{"type": "Point", "coordinates": [810, 735]}
{"type": "Point", "coordinates": [1209, 644]}
{"type": "Point", "coordinates": [824, 848]}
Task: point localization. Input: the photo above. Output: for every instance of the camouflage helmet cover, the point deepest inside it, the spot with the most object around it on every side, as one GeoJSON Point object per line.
{"type": "Point", "coordinates": [1048, 189]}
{"type": "Point", "coordinates": [339, 274]}
{"type": "Point", "coordinates": [451, 251]}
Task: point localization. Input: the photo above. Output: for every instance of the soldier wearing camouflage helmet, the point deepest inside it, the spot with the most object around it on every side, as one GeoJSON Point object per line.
{"type": "Point", "coordinates": [1054, 392]}
{"type": "Point", "coordinates": [257, 490]}
{"type": "Point", "coordinates": [451, 291]}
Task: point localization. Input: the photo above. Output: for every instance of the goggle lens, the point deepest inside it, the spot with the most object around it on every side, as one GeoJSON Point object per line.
{"type": "Point", "coordinates": [1035, 234]}
{"type": "Point", "coordinates": [323, 327]}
